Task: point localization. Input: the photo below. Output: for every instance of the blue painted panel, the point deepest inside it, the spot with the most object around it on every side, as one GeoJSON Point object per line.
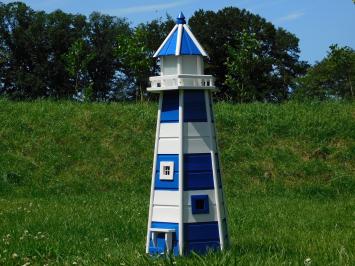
{"type": "Point", "coordinates": [198, 172]}
{"type": "Point", "coordinates": [198, 181]}
{"type": "Point", "coordinates": [167, 184]}
{"type": "Point", "coordinates": [168, 158]}
{"type": "Point", "coordinates": [167, 226]}
{"type": "Point", "coordinates": [194, 106]}
{"type": "Point", "coordinates": [170, 107]}
{"type": "Point", "coordinates": [202, 247]}
{"type": "Point", "coordinates": [160, 248]}
{"type": "Point", "coordinates": [188, 47]}
{"type": "Point", "coordinates": [170, 46]}
{"type": "Point", "coordinates": [201, 232]}
{"type": "Point", "coordinates": [198, 162]}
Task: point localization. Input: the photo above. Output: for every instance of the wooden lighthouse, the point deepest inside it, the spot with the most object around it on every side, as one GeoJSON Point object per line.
{"type": "Point", "coordinates": [187, 207]}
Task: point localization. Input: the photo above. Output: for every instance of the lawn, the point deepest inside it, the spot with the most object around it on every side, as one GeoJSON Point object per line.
{"type": "Point", "coordinates": [75, 183]}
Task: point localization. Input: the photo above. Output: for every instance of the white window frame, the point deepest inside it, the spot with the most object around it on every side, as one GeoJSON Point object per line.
{"type": "Point", "coordinates": [163, 176]}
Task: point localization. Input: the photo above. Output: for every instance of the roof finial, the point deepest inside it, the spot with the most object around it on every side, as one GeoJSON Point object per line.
{"type": "Point", "coordinates": [181, 19]}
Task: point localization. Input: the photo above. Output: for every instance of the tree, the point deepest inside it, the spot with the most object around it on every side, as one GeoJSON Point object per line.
{"type": "Point", "coordinates": [135, 53]}
{"type": "Point", "coordinates": [136, 59]}
{"type": "Point", "coordinates": [23, 40]}
{"type": "Point", "coordinates": [278, 55]}
{"type": "Point", "coordinates": [332, 78]}
{"type": "Point", "coordinates": [76, 61]}
{"type": "Point", "coordinates": [241, 63]}
{"type": "Point", "coordinates": [63, 31]}
{"type": "Point", "coordinates": [34, 43]}
{"type": "Point", "coordinates": [102, 39]}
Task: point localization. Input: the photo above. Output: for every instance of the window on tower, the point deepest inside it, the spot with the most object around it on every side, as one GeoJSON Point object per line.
{"type": "Point", "coordinates": [167, 171]}
{"type": "Point", "coordinates": [200, 204]}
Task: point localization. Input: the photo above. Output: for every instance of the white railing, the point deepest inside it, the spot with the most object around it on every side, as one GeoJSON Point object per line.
{"type": "Point", "coordinates": [183, 80]}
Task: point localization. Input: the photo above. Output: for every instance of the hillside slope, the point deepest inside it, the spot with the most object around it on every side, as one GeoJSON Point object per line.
{"type": "Point", "coordinates": [71, 170]}
{"type": "Point", "coordinates": [63, 147]}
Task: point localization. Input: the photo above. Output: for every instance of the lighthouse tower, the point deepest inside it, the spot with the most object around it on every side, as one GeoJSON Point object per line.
{"type": "Point", "coordinates": [187, 209]}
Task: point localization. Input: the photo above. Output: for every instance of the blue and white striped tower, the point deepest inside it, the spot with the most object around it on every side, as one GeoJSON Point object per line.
{"type": "Point", "coordinates": [187, 209]}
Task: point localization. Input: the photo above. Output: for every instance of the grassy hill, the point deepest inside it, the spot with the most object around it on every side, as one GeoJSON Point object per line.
{"type": "Point", "coordinates": [75, 183]}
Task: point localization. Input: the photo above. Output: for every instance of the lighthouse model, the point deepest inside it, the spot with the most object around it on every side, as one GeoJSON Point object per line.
{"type": "Point", "coordinates": [187, 209]}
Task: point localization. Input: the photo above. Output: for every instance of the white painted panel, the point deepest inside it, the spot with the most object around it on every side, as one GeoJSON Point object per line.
{"type": "Point", "coordinates": [165, 214]}
{"type": "Point", "coordinates": [197, 145]}
{"type": "Point", "coordinates": [168, 146]}
{"type": "Point", "coordinates": [210, 193]}
{"type": "Point", "coordinates": [191, 129]}
{"type": "Point", "coordinates": [196, 129]}
{"type": "Point", "coordinates": [170, 65]}
{"type": "Point", "coordinates": [169, 130]}
{"type": "Point", "coordinates": [189, 64]}
{"type": "Point", "coordinates": [167, 198]}
{"type": "Point", "coordinates": [199, 218]}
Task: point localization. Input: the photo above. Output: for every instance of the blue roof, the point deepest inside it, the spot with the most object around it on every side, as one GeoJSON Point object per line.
{"type": "Point", "coordinates": [180, 41]}
{"type": "Point", "coordinates": [187, 45]}
{"type": "Point", "coordinates": [170, 46]}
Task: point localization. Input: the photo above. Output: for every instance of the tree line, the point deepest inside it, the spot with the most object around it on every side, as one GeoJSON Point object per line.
{"type": "Point", "coordinates": [103, 58]}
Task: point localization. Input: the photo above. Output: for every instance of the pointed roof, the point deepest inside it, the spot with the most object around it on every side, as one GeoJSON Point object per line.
{"type": "Point", "coordinates": [180, 41]}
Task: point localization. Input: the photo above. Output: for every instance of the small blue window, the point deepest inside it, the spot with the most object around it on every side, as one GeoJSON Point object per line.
{"type": "Point", "coordinates": [200, 204]}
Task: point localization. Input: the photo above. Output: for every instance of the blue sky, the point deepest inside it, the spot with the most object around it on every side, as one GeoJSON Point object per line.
{"type": "Point", "coordinates": [317, 23]}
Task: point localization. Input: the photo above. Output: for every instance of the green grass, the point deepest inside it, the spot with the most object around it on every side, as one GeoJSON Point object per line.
{"type": "Point", "coordinates": [75, 183]}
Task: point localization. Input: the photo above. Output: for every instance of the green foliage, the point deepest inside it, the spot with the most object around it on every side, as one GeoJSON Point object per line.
{"type": "Point", "coordinates": [136, 59]}
{"type": "Point", "coordinates": [277, 59]}
{"type": "Point", "coordinates": [135, 53]}
{"type": "Point", "coordinates": [65, 56]}
{"type": "Point", "coordinates": [241, 63]}
{"type": "Point", "coordinates": [332, 78]}
{"type": "Point", "coordinates": [75, 184]}
{"type": "Point", "coordinates": [102, 38]}
{"type": "Point", "coordinates": [76, 61]}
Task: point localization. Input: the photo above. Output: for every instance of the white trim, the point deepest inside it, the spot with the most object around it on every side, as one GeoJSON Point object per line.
{"type": "Point", "coordinates": [191, 145]}
{"type": "Point", "coordinates": [221, 178]}
{"type": "Point", "coordinates": [197, 145]}
{"type": "Point", "coordinates": [166, 198]}
{"type": "Point", "coordinates": [181, 81]}
{"type": "Point", "coordinates": [172, 88]}
{"type": "Point", "coordinates": [189, 193]}
{"type": "Point", "coordinates": [196, 129]}
{"type": "Point", "coordinates": [168, 146]}
{"type": "Point", "coordinates": [191, 129]}
{"type": "Point", "coordinates": [178, 43]}
{"type": "Point", "coordinates": [162, 230]}
{"type": "Point", "coordinates": [169, 168]}
{"type": "Point", "coordinates": [211, 216]}
{"type": "Point", "coordinates": [199, 64]}
{"type": "Point", "coordinates": [181, 172]}
{"type": "Point", "coordinates": [153, 172]}
{"type": "Point", "coordinates": [179, 67]}
{"type": "Point", "coordinates": [169, 130]}
{"type": "Point", "coordinates": [165, 41]}
{"type": "Point", "coordinates": [171, 214]}
{"type": "Point", "coordinates": [166, 214]}
{"type": "Point", "coordinates": [215, 173]}
{"type": "Point", "coordinates": [203, 52]}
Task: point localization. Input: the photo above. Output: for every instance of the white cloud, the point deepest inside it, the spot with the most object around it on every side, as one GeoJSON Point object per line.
{"type": "Point", "coordinates": [292, 16]}
{"type": "Point", "coordinates": [262, 5]}
{"type": "Point", "coordinates": [146, 8]}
